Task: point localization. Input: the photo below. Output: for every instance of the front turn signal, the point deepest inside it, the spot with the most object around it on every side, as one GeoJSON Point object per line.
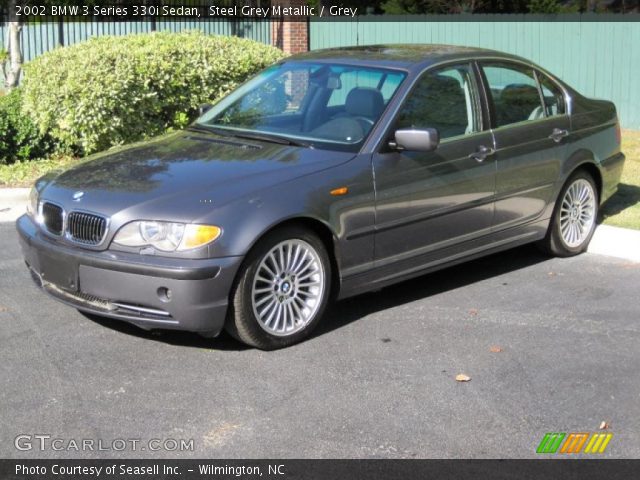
{"type": "Point", "coordinates": [198, 235]}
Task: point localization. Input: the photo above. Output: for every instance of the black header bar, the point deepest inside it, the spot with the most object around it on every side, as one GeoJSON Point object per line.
{"type": "Point", "coordinates": [38, 11]}
{"type": "Point", "coordinates": [320, 469]}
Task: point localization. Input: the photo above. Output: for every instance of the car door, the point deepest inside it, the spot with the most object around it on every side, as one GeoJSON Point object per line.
{"type": "Point", "coordinates": [529, 139]}
{"type": "Point", "coordinates": [426, 201]}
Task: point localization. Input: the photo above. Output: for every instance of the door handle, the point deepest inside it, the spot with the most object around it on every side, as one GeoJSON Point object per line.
{"type": "Point", "coordinates": [481, 153]}
{"type": "Point", "coordinates": [558, 134]}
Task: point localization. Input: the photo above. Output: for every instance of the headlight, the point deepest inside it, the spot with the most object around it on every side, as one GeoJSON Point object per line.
{"type": "Point", "coordinates": [166, 236]}
{"type": "Point", "coordinates": [32, 205]}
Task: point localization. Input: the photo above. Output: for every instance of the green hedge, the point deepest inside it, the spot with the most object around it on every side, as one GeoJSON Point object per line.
{"type": "Point", "coordinates": [114, 90]}
{"type": "Point", "coordinates": [20, 139]}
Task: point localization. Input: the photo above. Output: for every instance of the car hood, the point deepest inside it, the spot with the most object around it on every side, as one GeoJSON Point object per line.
{"type": "Point", "coordinates": [182, 175]}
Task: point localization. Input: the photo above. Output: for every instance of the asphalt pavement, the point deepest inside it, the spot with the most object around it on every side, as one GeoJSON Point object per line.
{"type": "Point", "coordinates": [550, 345]}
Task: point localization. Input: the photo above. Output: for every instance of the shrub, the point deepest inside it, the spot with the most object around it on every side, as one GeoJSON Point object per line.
{"type": "Point", "coordinates": [114, 90]}
{"type": "Point", "coordinates": [20, 139]}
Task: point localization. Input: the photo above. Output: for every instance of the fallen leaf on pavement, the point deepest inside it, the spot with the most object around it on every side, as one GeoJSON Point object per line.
{"type": "Point", "coordinates": [461, 377]}
{"type": "Point", "coordinates": [552, 274]}
{"type": "Point", "coordinates": [630, 265]}
{"type": "Point", "coordinates": [604, 425]}
{"type": "Point", "coordinates": [495, 349]}
{"type": "Point", "coordinates": [473, 311]}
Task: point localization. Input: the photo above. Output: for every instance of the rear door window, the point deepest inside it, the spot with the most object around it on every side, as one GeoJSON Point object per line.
{"type": "Point", "coordinates": [514, 93]}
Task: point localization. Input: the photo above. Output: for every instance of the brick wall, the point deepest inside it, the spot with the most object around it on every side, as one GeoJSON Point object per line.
{"type": "Point", "coordinates": [290, 35]}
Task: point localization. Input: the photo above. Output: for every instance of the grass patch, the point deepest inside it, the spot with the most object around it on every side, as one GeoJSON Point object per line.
{"type": "Point", "coordinates": [23, 174]}
{"type": "Point", "coordinates": [623, 209]}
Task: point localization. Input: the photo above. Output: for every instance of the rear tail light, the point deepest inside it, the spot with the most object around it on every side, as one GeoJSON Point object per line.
{"type": "Point", "coordinates": [618, 133]}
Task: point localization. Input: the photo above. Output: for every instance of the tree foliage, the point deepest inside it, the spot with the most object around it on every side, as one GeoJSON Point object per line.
{"type": "Point", "coordinates": [115, 90]}
{"type": "Point", "coordinates": [20, 139]}
{"type": "Point", "coordinates": [545, 6]}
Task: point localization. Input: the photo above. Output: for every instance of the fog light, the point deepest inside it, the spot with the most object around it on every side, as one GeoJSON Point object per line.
{"type": "Point", "coordinates": [164, 294]}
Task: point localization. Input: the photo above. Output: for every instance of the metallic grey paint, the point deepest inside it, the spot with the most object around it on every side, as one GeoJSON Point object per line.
{"type": "Point", "coordinates": [406, 213]}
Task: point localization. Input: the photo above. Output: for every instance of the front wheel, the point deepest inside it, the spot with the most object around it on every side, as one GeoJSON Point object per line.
{"type": "Point", "coordinates": [282, 290]}
{"type": "Point", "coordinates": [574, 217]}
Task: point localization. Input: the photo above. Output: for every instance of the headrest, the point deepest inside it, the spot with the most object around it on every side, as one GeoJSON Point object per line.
{"type": "Point", "coordinates": [444, 83]}
{"type": "Point", "coordinates": [520, 93]}
{"type": "Point", "coordinates": [364, 102]}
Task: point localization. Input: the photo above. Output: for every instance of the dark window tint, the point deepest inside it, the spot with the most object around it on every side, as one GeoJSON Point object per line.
{"type": "Point", "coordinates": [514, 92]}
{"type": "Point", "coordinates": [444, 100]}
{"type": "Point", "coordinates": [553, 97]}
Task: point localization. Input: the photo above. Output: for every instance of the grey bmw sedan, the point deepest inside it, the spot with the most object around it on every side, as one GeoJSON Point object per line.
{"type": "Point", "coordinates": [329, 174]}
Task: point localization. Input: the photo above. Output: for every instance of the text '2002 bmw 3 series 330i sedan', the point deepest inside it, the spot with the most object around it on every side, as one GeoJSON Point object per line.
{"type": "Point", "coordinates": [328, 174]}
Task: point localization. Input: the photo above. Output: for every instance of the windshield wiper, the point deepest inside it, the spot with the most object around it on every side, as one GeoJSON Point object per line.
{"type": "Point", "coordinates": [270, 137]}
{"type": "Point", "coordinates": [199, 127]}
{"type": "Point", "coordinates": [265, 137]}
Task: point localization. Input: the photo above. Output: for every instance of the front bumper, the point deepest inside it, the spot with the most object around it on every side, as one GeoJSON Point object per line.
{"type": "Point", "coordinates": [132, 287]}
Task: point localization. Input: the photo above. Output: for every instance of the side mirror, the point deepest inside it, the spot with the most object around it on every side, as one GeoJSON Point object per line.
{"type": "Point", "coordinates": [424, 140]}
{"type": "Point", "coordinates": [204, 108]}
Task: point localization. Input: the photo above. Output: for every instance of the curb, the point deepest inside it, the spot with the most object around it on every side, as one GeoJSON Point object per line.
{"type": "Point", "coordinates": [12, 203]}
{"type": "Point", "coordinates": [13, 193]}
{"type": "Point", "coordinates": [616, 242]}
{"type": "Point", "coordinates": [611, 241]}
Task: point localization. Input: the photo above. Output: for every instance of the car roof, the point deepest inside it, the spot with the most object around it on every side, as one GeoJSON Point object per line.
{"type": "Point", "coordinates": [403, 56]}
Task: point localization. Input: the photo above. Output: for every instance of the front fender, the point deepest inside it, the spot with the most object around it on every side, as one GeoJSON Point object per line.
{"type": "Point", "coordinates": [246, 220]}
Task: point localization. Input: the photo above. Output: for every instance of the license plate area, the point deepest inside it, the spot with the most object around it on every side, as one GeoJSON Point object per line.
{"type": "Point", "coordinates": [58, 271]}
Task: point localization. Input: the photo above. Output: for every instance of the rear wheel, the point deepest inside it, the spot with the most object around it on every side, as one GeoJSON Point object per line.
{"type": "Point", "coordinates": [574, 217]}
{"type": "Point", "coordinates": [281, 291]}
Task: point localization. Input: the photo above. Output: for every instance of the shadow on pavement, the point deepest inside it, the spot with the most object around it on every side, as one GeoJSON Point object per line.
{"type": "Point", "coordinates": [171, 337]}
{"type": "Point", "coordinates": [352, 309]}
{"type": "Point", "coordinates": [626, 196]}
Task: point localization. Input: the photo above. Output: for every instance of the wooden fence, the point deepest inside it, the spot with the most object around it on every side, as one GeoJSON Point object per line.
{"type": "Point", "coordinates": [598, 58]}
{"type": "Point", "coordinates": [39, 38]}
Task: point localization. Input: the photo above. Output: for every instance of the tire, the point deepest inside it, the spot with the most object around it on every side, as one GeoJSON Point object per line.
{"type": "Point", "coordinates": [281, 290]}
{"type": "Point", "coordinates": [574, 217]}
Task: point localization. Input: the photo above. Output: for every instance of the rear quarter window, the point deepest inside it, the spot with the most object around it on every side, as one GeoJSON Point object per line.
{"type": "Point", "coordinates": [554, 102]}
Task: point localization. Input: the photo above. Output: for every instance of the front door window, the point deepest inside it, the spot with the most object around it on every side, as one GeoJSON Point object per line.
{"type": "Point", "coordinates": [444, 100]}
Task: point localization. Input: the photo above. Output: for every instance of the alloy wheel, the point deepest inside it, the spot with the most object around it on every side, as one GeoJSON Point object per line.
{"type": "Point", "coordinates": [577, 213]}
{"type": "Point", "coordinates": [288, 287]}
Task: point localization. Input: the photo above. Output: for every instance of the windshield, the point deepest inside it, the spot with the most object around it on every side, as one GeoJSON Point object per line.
{"type": "Point", "coordinates": [323, 106]}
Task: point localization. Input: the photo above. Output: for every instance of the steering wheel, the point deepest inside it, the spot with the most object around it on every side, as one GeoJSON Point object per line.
{"type": "Point", "coordinates": [364, 120]}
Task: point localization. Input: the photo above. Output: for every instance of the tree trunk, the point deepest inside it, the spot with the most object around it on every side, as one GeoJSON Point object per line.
{"type": "Point", "coordinates": [15, 55]}
{"type": "Point", "coordinates": [14, 48]}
